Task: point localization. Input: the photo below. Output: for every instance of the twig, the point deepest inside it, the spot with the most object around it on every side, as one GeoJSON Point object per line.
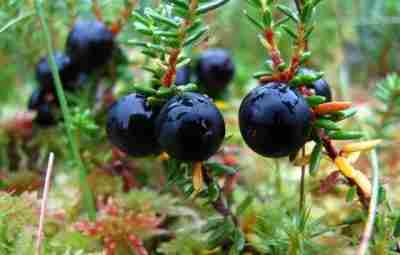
{"type": "Point", "coordinates": [373, 206]}
{"type": "Point", "coordinates": [43, 206]}
{"type": "Point", "coordinates": [87, 194]}
{"type": "Point", "coordinates": [220, 204]}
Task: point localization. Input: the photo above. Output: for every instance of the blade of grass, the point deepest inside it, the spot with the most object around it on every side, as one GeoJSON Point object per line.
{"type": "Point", "coordinates": [373, 206]}
{"type": "Point", "coordinates": [16, 20]}
{"type": "Point", "coordinates": [87, 194]}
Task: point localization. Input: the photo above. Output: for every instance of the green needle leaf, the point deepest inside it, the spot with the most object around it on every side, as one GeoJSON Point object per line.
{"type": "Point", "coordinates": [210, 6]}
{"type": "Point", "coordinates": [345, 135]}
{"type": "Point", "coordinates": [326, 124]}
{"type": "Point", "coordinates": [315, 158]}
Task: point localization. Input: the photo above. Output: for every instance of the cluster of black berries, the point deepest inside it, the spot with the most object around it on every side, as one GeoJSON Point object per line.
{"type": "Point", "coordinates": [213, 71]}
{"type": "Point", "coordinates": [275, 119]}
{"type": "Point", "coordinates": [89, 46]}
{"type": "Point", "coordinates": [188, 127]}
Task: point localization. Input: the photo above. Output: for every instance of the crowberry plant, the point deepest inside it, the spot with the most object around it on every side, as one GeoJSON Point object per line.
{"type": "Point", "coordinates": [324, 127]}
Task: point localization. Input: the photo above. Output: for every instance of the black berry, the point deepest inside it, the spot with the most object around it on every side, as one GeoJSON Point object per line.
{"type": "Point", "coordinates": [44, 114]}
{"type": "Point", "coordinates": [215, 70]}
{"type": "Point", "coordinates": [37, 98]}
{"type": "Point", "coordinates": [321, 86]}
{"type": "Point", "coordinates": [69, 73]}
{"type": "Point", "coordinates": [90, 44]}
{"type": "Point", "coordinates": [274, 120]}
{"type": "Point", "coordinates": [183, 75]}
{"type": "Point", "coordinates": [190, 127]}
{"type": "Point", "coordinates": [130, 126]}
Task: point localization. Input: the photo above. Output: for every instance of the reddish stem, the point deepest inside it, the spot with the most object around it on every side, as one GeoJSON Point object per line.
{"type": "Point", "coordinates": [117, 25]}
{"type": "Point", "coordinates": [137, 245]}
{"type": "Point", "coordinates": [328, 145]}
{"type": "Point", "coordinates": [274, 51]}
{"type": "Point", "coordinates": [290, 72]}
{"type": "Point", "coordinates": [97, 10]}
{"type": "Point", "coordinates": [169, 77]}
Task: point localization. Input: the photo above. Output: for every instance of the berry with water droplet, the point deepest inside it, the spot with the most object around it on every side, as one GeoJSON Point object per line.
{"type": "Point", "coordinates": [190, 127]}
{"type": "Point", "coordinates": [130, 126]}
{"type": "Point", "coordinates": [215, 70]}
{"type": "Point", "coordinates": [274, 120]}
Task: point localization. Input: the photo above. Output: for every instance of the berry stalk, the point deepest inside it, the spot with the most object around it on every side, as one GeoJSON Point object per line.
{"type": "Point", "coordinates": [220, 203]}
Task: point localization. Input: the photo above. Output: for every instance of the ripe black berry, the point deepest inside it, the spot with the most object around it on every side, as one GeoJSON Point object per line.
{"type": "Point", "coordinates": [44, 114]}
{"type": "Point", "coordinates": [190, 127]}
{"type": "Point", "coordinates": [37, 98]}
{"type": "Point", "coordinates": [321, 86]}
{"type": "Point", "coordinates": [130, 126]}
{"type": "Point", "coordinates": [183, 75]}
{"type": "Point", "coordinates": [215, 70]}
{"type": "Point", "coordinates": [69, 74]}
{"type": "Point", "coordinates": [90, 44]}
{"type": "Point", "coordinates": [274, 120]}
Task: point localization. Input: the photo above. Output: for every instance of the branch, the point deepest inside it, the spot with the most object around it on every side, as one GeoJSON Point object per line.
{"type": "Point", "coordinates": [220, 204]}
